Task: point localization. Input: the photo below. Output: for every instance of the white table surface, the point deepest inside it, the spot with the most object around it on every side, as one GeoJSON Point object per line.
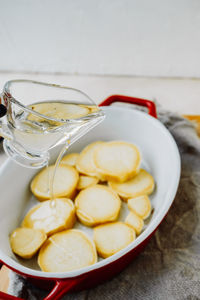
{"type": "Point", "coordinates": [179, 95]}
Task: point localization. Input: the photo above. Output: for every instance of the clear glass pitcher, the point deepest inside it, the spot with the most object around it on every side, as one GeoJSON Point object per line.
{"type": "Point", "coordinates": [36, 117]}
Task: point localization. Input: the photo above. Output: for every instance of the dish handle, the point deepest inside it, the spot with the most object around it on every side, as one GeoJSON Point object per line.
{"type": "Point", "coordinates": [132, 100]}
{"type": "Point", "coordinates": [4, 296]}
{"type": "Point", "coordinates": [61, 287]}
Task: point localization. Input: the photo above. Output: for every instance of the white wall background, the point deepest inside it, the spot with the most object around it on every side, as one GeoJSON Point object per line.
{"type": "Point", "coordinates": [118, 37]}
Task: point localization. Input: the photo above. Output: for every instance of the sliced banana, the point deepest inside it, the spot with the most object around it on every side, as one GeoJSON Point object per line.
{"type": "Point", "coordinates": [141, 206]}
{"type": "Point", "coordinates": [112, 237]}
{"type": "Point", "coordinates": [25, 242]}
{"type": "Point", "coordinates": [70, 159]}
{"type": "Point", "coordinates": [96, 205]}
{"type": "Point", "coordinates": [85, 162]}
{"type": "Point", "coordinates": [64, 185]}
{"type": "Point", "coordinates": [51, 216]}
{"type": "Point", "coordinates": [66, 251]}
{"type": "Point", "coordinates": [142, 183]}
{"type": "Point", "coordinates": [118, 161]}
{"type": "Point", "coordinates": [135, 222]}
{"type": "Point", "coordinates": [86, 181]}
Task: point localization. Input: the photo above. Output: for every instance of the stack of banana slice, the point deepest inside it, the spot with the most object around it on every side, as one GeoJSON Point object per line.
{"type": "Point", "coordinates": [88, 187]}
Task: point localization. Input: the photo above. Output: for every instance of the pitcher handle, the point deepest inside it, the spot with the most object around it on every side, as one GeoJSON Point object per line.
{"type": "Point", "coordinates": [3, 110]}
{"type": "Point", "coordinates": [4, 131]}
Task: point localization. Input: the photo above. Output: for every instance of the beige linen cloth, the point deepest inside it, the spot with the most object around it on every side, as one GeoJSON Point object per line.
{"type": "Point", "coordinates": [169, 267]}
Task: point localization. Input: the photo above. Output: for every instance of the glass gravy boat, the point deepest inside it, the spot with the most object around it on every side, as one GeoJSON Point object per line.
{"type": "Point", "coordinates": [36, 117]}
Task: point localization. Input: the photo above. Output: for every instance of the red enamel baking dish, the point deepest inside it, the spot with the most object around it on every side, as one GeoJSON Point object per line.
{"type": "Point", "coordinates": [159, 156]}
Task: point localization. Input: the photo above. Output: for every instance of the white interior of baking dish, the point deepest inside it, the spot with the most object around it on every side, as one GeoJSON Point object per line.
{"type": "Point", "coordinates": [160, 157]}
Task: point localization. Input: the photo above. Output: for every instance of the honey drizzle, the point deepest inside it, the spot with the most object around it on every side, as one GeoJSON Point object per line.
{"type": "Point", "coordinates": [51, 181]}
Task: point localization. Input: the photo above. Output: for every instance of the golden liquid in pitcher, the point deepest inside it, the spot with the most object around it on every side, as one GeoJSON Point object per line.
{"type": "Point", "coordinates": [27, 127]}
{"type": "Point", "coordinates": [60, 111]}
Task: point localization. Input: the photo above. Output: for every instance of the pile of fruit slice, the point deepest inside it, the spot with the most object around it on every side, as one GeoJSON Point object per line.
{"type": "Point", "coordinates": [90, 187]}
